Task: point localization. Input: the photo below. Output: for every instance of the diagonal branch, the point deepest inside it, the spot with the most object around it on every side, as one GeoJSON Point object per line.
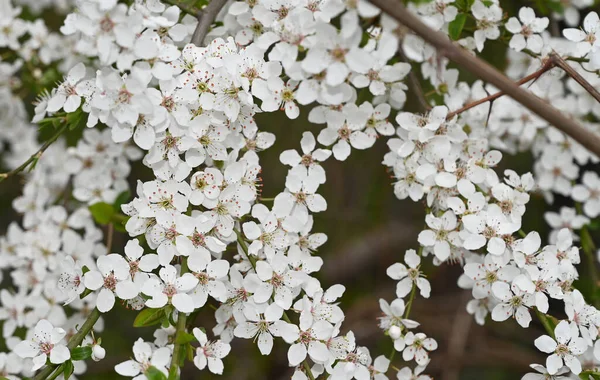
{"type": "Point", "coordinates": [414, 82]}
{"type": "Point", "coordinates": [205, 19]}
{"type": "Point", "coordinates": [560, 62]}
{"type": "Point", "coordinates": [488, 73]}
{"type": "Point", "coordinates": [36, 156]}
{"type": "Point", "coordinates": [535, 75]}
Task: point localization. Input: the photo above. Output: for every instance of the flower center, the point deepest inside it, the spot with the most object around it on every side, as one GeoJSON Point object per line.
{"type": "Point", "coordinates": [110, 282]}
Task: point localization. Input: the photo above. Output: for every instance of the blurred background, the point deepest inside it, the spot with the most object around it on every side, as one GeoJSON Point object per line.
{"type": "Point", "coordinates": [368, 229]}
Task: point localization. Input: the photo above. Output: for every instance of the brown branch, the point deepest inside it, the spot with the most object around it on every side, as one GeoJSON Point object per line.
{"type": "Point", "coordinates": [535, 75]}
{"type": "Point", "coordinates": [206, 17]}
{"type": "Point", "coordinates": [457, 342]}
{"type": "Point", "coordinates": [488, 73]}
{"type": "Point", "coordinates": [414, 83]}
{"type": "Point", "coordinates": [560, 62]}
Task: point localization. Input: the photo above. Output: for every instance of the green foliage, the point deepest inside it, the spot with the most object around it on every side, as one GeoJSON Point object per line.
{"type": "Point", "coordinates": [68, 369]}
{"type": "Point", "coordinates": [152, 373]}
{"type": "Point", "coordinates": [464, 5]}
{"type": "Point", "coordinates": [547, 6]}
{"type": "Point", "coordinates": [455, 27]}
{"type": "Point", "coordinates": [105, 213]}
{"type": "Point", "coordinates": [150, 317]}
{"type": "Point", "coordinates": [102, 212]}
{"type": "Point", "coordinates": [81, 353]}
{"type": "Point", "coordinates": [121, 199]}
{"type": "Point", "coordinates": [590, 375]}
{"type": "Point", "coordinates": [184, 337]}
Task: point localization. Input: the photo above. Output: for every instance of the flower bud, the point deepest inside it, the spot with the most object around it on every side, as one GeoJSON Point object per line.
{"type": "Point", "coordinates": [98, 353]}
{"type": "Point", "coordinates": [395, 332]}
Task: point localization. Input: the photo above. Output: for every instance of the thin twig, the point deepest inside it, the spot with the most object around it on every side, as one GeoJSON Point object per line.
{"type": "Point", "coordinates": [75, 341]}
{"type": "Point", "coordinates": [414, 83]}
{"type": "Point", "coordinates": [457, 342]}
{"type": "Point", "coordinates": [560, 62]}
{"type": "Point", "coordinates": [110, 229]}
{"type": "Point", "coordinates": [490, 74]}
{"type": "Point", "coordinates": [205, 19]}
{"type": "Point", "coordinates": [36, 156]}
{"type": "Point", "coordinates": [535, 75]}
{"type": "Point", "coordinates": [179, 330]}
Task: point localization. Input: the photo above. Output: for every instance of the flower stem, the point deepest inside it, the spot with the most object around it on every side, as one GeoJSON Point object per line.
{"type": "Point", "coordinates": [413, 291]}
{"type": "Point", "coordinates": [36, 156]}
{"type": "Point", "coordinates": [588, 246]}
{"type": "Point", "coordinates": [174, 369]}
{"type": "Point", "coordinates": [73, 342]}
{"type": "Point", "coordinates": [545, 322]}
{"type": "Point", "coordinates": [180, 329]}
{"type": "Point", "coordinates": [57, 373]}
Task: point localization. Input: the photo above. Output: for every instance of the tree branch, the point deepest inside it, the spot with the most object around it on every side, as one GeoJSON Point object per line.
{"type": "Point", "coordinates": [560, 62]}
{"type": "Point", "coordinates": [205, 19]}
{"type": "Point", "coordinates": [488, 73]}
{"type": "Point", "coordinates": [36, 156]}
{"type": "Point", "coordinates": [414, 83]}
{"type": "Point", "coordinates": [73, 342]}
{"type": "Point", "coordinates": [547, 66]}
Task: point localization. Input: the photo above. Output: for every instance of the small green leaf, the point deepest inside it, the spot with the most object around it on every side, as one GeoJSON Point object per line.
{"type": "Point", "coordinates": [81, 353]}
{"type": "Point", "coordinates": [85, 269]}
{"type": "Point", "coordinates": [184, 337]}
{"type": "Point", "coordinates": [68, 369]}
{"type": "Point", "coordinates": [589, 375]}
{"type": "Point", "coordinates": [102, 212]}
{"type": "Point", "coordinates": [121, 198]}
{"type": "Point", "coordinates": [149, 317]}
{"type": "Point", "coordinates": [152, 373]}
{"type": "Point", "coordinates": [455, 27]}
{"type": "Point", "coordinates": [555, 6]}
{"type": "Point", "coordinates": [190, 352]}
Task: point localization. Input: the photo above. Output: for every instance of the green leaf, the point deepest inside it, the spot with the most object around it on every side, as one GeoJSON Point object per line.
{"type": "Point", "coordinates": [121, 198]}
{"type": "Point", "coordinates": [152, 373]}
{"type": "Point", "coordinates": [589, 375]}
{"type": "Point", "coordinates": [464, 5]}
{"type": "Point", "coordinates": [81, 353]}
{"type": "Point", "coordinates": [555, 6]}
{"type": "Point", "coordinates": [102, 212]}
{"type": "Point", "coordinates": [149, 317]}
{"type": "Point", "coordinates": [68, 369]}
{"type": "Point", "coordinates": [455, 27]}
{"type": "Point", "coordinates": [184, 337]}
{"type": "Point", "coordinates": [85, 269]}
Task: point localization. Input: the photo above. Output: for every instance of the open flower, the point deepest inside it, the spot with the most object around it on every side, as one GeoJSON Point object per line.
{"type": "Point", "coordinates": [112, 277]}
{"type": "Point", "coordinates": [44, 344]}
{"type": "Point", "coordinates": [210, 353]}
{"type": "Point", "coordinates": [563, 349]}
{"type": "Point", "coordinates": [171, 289]}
